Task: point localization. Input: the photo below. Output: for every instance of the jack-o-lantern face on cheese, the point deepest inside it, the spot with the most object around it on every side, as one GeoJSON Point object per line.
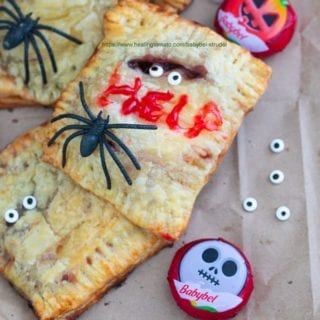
{"type": "Point", "coordinates": [261, 26]}
{"type": "Point", "coordinates": [264, 17]}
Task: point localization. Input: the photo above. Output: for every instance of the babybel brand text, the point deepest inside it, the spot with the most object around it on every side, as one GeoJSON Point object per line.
{"type": "Point", "coordinates": [197, 295]}
{"type": "Point", "coordinates": [231, 26]}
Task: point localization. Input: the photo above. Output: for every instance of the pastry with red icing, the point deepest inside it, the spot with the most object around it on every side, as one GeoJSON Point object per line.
{"type": "Point", "coordinates": [197, 98]}
{"type": "Point", "coordinates": [81, 19]}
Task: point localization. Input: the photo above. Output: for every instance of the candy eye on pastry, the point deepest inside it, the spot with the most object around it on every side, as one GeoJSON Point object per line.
{"type": "Point", "coordinates": [29, 202]}
{"type": "Point", "coordinates": [11, 216]}
{"type": "Point", "coordinates": [156, 71]}
{"type": "Point", "coordinates": [174, 78]}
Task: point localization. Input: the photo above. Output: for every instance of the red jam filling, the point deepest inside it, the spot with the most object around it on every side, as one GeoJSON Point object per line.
{"type": "Point", "coordinates": [145, 64]}
{"type": "Point", "coordinates": [167, 236]}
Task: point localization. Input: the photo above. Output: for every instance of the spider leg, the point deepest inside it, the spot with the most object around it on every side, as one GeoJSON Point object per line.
{"type": "Point", "coordinates": [59, 132]}
{"type": "Point", "coordinates": [124, 148]}
{"type": "Point", "coordinates": [66, 143]}
{"type": "Point", "coordinates": [49, 49]}
{"type": "Point", "coordinates": [117, 161]}
{"type": "Point", "coordinates": [8, 22]}
{"type": "Point", "coordinates": [71, 116]}
{"type": "Point", "coordinates": [16, 7]}
{"type": "Point", "coordinates": [4, 28]}
{"type": "Point", "coordinates": [9, 13]}
{"type": "Point", "coordinates": [39, 57]}
{"type": "Point", "coordinates": [104, 165]}
{"type": "Point", "coordinates": [59, 32]}
{"type": "Point", "coordinates": [26, 61]}
{"type": "Point", "coordinates": [131, 126]}
{"type": "Point", "coordinates": [84, 103]}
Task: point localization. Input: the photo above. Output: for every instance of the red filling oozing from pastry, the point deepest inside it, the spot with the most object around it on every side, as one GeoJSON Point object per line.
{"type": "Point", "coordinates": [150, 107]}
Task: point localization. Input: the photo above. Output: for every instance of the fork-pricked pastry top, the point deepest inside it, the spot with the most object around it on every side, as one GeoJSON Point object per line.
{"type": "Point", "coordinates": [197, 100]}
{"type": "Point", "coordinates": [60, 246]}
{"type": "Point", "coordinates": [81, 19]}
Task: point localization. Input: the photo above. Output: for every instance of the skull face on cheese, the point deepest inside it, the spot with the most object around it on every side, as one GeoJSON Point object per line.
{"type": "Point", "coordinates": [210, 279]}
{"type": "Point", "coordinates": [215, 265]}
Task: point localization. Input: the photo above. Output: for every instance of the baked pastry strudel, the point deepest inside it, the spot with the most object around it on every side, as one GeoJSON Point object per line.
{"type": "Point", "coordinates": [60, 246]}
{"type": "Point", "coordinates": [153, 68]}
{"type": "Point", "coordinates": [35, 69]}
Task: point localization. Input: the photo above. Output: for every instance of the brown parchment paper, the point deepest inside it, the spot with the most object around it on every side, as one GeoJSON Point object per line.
{"type": "Point", "coordinates": [285, 256]}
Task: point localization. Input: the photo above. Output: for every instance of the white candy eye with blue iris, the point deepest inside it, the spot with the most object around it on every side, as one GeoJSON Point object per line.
{"type": "Point", "coordinates": [156, 71]}
{"type": "Point", "coordinates": [11, 216]}
{"type": "Point", "coordinates": [29, 202]}
{"type": "Point", "coordinates": [174, 78]}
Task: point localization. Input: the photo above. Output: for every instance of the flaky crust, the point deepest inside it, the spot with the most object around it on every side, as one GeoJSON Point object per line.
{"type": "Point", "coordinates": [173, 5]}
{"type": "Point", "coordinates": [10, 97]}
{"type": "Point", "coordinates": [174, 168]}
{"type": "Point", "coordinates": [82, 19]}
{"type": "Point", "coordinates": [63, 255]}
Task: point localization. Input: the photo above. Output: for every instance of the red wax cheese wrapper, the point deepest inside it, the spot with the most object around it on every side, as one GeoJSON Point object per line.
{"type": "Point", "coordinates": [264, 27]}
{"type": "Point", "coordinates": [210, 279]}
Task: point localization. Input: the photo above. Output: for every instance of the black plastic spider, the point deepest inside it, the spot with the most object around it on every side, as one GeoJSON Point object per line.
{"type": "Point", "coordinates": [23, 29]}
{"type": "Point", "coordinates": [96, 132]}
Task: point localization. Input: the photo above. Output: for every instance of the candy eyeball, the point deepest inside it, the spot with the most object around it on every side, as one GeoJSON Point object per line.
{"type": "Point", "coordinates": [277, 145]}
{"type": "Point", "coordinates": [250, 204]}
{"type": "Point", "coordinates": [174, 78]}
{"type": "Point", "coordinates": [29, 202]}
{"type": "Point", "coordinates": [276, 177]}
{"type": "Point", "coordinates": [283, 213]}
{"type": "Point", "coordinates": [11, 216]}
{"type": "Point", "coordinates": [156, 71]}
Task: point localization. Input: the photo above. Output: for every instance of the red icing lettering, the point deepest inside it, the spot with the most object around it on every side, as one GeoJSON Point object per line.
{"type": "Point", "coordinates": [125, 90]}
{"type": "Point", "coordinates": [209, 118]}
{"type": "Point", "coordinates": [147, 108]}
{"type": "Point", "coordinates": [173, 117]}
{"type": "Point", "coordinates": [150, 107]}
{"type": "Point", "coordinates": [115, 76]}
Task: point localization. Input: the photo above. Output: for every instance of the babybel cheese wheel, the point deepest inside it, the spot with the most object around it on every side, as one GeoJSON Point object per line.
{"type": "Point", "coordinates": [264, 27]}
{"type": "Point", "coordinates": [210, 279]}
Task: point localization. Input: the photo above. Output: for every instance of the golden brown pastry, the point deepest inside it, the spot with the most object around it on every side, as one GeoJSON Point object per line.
{"type": "Point", "coordinates": [173, 5]}
{"type": "Point", "coordinates": [80, 19]}
{"type": "Point", "coordinates": [196, 96]}
{"type": "Point", "coordinates": [60, 246]}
